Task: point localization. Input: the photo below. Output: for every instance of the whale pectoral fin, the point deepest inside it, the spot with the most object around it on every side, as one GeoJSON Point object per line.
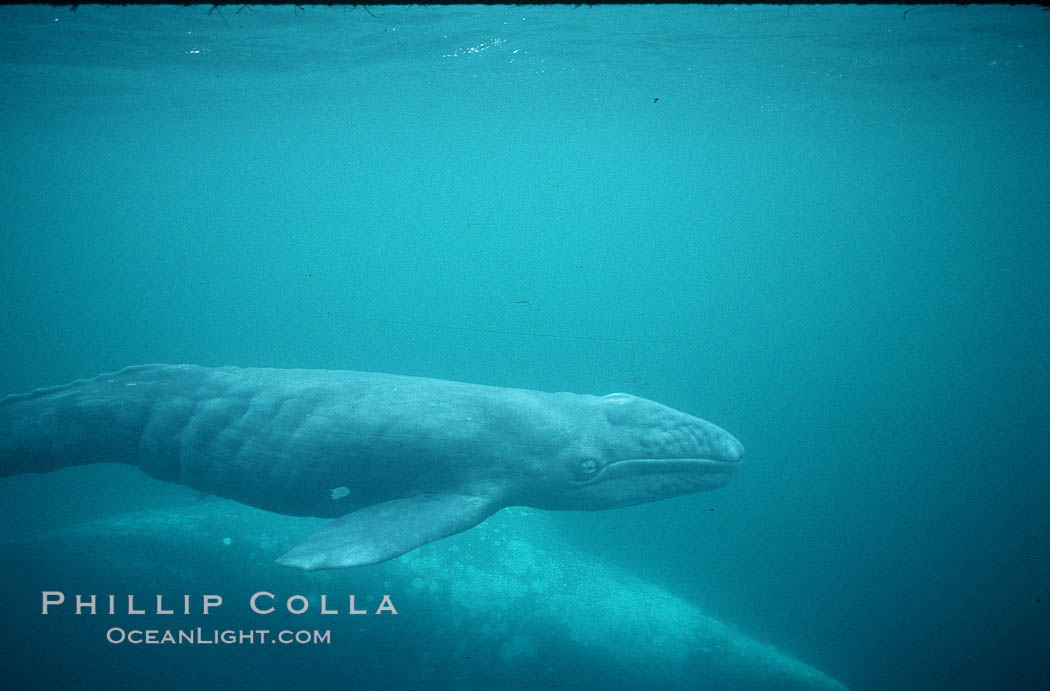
{"type": "Point", "coordinates": [383, 531]}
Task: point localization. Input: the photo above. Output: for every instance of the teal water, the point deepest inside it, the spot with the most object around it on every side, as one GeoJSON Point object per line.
{"type": "Point", "coordinates": [823, 228]}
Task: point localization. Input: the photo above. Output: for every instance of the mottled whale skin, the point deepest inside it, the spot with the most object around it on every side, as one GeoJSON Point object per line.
{"type": "Point", "coordinates": [399, 461]}
{"type": "Point", "coordinates": [510, 604]}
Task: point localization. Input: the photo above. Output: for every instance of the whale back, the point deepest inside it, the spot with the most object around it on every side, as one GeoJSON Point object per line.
{"type": "Point", "coordinates": [86, 421]}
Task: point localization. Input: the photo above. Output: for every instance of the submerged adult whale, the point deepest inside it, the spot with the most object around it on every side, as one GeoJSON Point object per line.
{"type": "Point", "coordinates": [508, 605]}
{"type": "Point", "coordinates": [402, 461]}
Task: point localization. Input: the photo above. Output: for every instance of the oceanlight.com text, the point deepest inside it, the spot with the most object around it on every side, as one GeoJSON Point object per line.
{"type": "Point", "coordinates": [200, 636]}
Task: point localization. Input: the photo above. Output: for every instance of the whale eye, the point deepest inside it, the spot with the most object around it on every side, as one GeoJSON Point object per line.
{"type": "Point", "coordinates": [589, 466]}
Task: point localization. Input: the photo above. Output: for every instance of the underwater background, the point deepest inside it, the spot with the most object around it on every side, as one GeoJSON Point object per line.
{"type": "Point", "coordinates": [826, 229]}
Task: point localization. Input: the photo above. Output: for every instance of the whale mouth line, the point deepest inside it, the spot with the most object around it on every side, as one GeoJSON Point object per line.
{"type": "Point", "coordinates": [679, 465]}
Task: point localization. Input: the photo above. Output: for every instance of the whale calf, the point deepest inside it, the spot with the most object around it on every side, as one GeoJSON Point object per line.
{"type": "Point", "coordinates": [399, 461]}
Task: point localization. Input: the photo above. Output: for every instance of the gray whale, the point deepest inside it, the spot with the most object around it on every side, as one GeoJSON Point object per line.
{"type": "Point", "coordinates": [398, 461]}
{"type": "Point", "coordinates": [508, 605]}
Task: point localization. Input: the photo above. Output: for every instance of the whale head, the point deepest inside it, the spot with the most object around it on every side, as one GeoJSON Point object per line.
{"type": "Point", "coordinates": [632, 450]}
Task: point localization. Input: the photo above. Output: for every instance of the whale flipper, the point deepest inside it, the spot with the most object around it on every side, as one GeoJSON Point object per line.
{"type": "Point", "coordinates": [383, 531]}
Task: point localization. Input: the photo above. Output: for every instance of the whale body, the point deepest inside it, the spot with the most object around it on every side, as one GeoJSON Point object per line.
{"type": "Point", "coordinates": [399, 461]}
{"type": "Point", "coordinates": [508, 605]}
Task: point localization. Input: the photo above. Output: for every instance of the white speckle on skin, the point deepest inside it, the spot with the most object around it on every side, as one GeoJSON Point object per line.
{"type": "Point", "coordinates": [340, 492]}
{"type": "Point", "coordinates": [227, 541]}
